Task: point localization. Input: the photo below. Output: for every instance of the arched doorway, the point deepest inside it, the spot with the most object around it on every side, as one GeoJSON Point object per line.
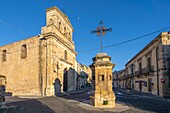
{"type": "Point", "coordinates": [65, 80]}
{"type": "Point", "coordinates": [149, 84]}
{"type": "Point", "coordinates": [57, 86]}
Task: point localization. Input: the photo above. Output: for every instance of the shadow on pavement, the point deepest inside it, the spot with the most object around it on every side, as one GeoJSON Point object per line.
{"type": "Point", "coordinates": [25, 106]}
{"type": "Point", "coordinates": [80, 96]}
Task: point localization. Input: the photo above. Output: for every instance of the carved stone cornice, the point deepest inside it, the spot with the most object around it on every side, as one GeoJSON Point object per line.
{"type": "Point", "coordinates": [61, 59]}
{"type": "Point", "coordinates": [46, 35]}
{"type": "Point", "coordinates": [63, 34]}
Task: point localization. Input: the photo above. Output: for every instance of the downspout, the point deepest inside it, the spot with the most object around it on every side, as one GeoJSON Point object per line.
{"type": "Point", "coordinates": [157, 70]}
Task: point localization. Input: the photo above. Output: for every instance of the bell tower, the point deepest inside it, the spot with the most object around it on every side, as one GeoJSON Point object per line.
{"type": "Point", "coordinates": [57, 22]}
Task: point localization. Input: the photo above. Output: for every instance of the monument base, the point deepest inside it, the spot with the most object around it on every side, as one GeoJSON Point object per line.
{"type": "Point", "coordinates": [102, 99]}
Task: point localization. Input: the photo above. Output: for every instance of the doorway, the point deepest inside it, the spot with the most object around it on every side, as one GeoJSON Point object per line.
{"type": "Point", "coordinates": [149, 84]}
{"type": "Point", "coordinates": [65, 80]}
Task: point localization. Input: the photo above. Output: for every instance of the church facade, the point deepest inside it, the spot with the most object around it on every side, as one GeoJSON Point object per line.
{"type": "Point", "coordinates": [42, 65]}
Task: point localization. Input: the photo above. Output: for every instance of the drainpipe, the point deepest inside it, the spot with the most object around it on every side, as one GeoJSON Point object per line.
{"type": "Point", "coordinates": [157, 70]}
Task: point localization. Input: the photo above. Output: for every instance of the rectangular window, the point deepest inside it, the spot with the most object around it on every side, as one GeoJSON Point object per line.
{"type": "Point", "coordinates": [4, 55]}
{"type": "Point", "coordinates": [140, 67]}
{"type": "Point", "coordinates": [24, 51]}
{"type": "Point", "coordinates": [149, 61]}
{"type": "Point", "coordinates": [101, 78]}
{"type": "Point", "coordinates": [65, 55]}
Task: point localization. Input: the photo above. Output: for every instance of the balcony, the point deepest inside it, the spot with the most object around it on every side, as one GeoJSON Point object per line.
{"type": "Point", "coordinates": [125, 76]}
{"type": "Point", "coordinates": [147, 70]}
{"type": "Point", "coordinates": [120, 78]}
{"type": "Point", "coordinates": [130, 75]}
{"type": "Point", "coordinates": [138, 73]}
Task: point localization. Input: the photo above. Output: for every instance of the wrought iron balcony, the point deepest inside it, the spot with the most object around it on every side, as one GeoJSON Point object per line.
{"type": "Point", "coordinates": [147, 70]}
{"type": "Point", "coordinates": [125, 76]}
{"type": "Point", "coordinates": [131, 75]}
{"type": "Point", "coordinates": [138, 73]}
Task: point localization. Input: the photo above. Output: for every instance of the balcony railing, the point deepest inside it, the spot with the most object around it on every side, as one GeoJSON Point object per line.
{"type": "Point", "coordinates": [125, 76]}
{"type": "Point", "coordinates": [147, 70]}
{"type": "Point", "coordinates": [131, 75]}
{"type": "Point", "coordinates": [138, 73]}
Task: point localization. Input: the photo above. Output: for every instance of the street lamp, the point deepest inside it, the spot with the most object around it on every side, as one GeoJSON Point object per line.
{"type": "Point", "coordinates": [132, 67]}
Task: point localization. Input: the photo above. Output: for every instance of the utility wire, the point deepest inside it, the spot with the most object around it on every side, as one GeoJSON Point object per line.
{"type": "Point", "coordinates": [120, 43]}
{"type": "Point", "coordinates": [116, 44]}
{"type": "Point", "coordinates": [136, 38]}
{"type": "Point", "coordinates": [12, 27]}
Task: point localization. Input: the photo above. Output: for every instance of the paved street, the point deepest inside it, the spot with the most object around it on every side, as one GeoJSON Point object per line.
{"type": "Point", "coordinates": [143, 103]}
{"type": "Point", "coordinates": [73, 104]}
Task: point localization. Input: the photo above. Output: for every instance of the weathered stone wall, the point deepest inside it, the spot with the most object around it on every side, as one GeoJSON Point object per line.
{"type": "Point", "coordinates": [22, 74]}
{"type": "Point", "coordinates": [49, 56]}
{"type": "Point", "coordinates": [57, 64]}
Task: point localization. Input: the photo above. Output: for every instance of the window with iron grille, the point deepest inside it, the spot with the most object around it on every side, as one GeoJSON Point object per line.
{"type": "Point", "coordinates": [149, 62]}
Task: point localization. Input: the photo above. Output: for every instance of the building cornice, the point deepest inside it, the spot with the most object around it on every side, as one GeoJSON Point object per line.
{"type": "Point", "coordinates": [59, 40]}
{"type": "Point", "coordinates": [145, 48]}
{"type": "Point", "coordinates": [62, 34]}
{"type": "Point", "coordinates": [67, 62]}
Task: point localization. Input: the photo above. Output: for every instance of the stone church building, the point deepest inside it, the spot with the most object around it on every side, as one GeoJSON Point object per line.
{"type": "Point", "coordinates": [42, 65]}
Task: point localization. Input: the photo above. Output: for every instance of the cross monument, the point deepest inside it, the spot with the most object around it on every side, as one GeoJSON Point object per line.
{"type": "Point", "coordinates": [101, 31]}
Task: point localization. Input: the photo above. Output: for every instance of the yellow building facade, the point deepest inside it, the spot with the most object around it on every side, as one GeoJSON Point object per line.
{"type": "Point", "coordinates": [42, 65]}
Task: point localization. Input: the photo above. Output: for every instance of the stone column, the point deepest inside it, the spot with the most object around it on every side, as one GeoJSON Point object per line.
{"type": "Point", "coordinates": [102, 94]}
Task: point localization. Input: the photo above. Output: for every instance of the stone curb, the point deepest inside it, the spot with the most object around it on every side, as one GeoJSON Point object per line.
{"type": "Point", "coordinates": [74, 92]}
{"type": "Point", "coordinates": [118, 108]}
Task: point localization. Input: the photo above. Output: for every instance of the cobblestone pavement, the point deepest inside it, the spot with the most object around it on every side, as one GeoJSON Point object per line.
{"type": "Point", "coordinates": [75, 104]}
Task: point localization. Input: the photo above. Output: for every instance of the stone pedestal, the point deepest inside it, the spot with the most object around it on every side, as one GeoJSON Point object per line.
{"type": "Point", "coordinates": [102, 94]}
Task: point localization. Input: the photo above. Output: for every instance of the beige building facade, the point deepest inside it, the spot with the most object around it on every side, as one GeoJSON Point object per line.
{"type": "Point", "coordinates": [42, 65]}
{"type": "Point", "coordinates": [117, 75]}
{"type": "Point", "coordinates": [83, 76]}
{"type": "Point", "coordinates": [148, 71]}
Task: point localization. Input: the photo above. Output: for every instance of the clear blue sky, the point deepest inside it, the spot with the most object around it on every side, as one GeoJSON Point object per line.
{"type": "Point", "coordinates": [127, 18]}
